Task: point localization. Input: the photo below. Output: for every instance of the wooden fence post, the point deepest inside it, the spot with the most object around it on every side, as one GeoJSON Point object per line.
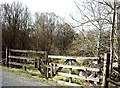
{"type": "Point", "coordinates": [106, 69]}
{"type": "Point", "coordinates": [38, 63]}
{"type": "Point", "coordinates": [70, 71]}
{"type": "Point", "coordinates": [51, 69]}
{"type": "Point", "coordinates": [99, 73]}
{"type": "Point", "coordinates": [46, 64]}
{"type": "Point", "coordinates": [55, 65]}
{"type": "Point", "coordinates": [24, 67]}
{"type": "Point", "coordinates": [35, 63]}
{"type": "Point", "coordinates": [7, 59]}
{"type": "Point", "coordinates": [10, 59]}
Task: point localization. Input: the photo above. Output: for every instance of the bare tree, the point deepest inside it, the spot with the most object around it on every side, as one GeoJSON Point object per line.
{"type": "Point", "coordinates": [114, 38]}
{"type": "Point", "coordinates": [44, 28]}
{"type": "Point", "coordinates": [15, 22]}
{"type": "Point", "coordinates": [93, 17]}
{"type": "Point", "coordinates": [102, 16]}
{"type": "Point", "coordinates": [118, 35]}
{"type": "Point", "coordinates": [64, 37]}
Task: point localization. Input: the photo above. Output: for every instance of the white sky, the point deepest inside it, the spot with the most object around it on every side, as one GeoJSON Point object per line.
{"type": "Point", "coordinates": [60, 7]}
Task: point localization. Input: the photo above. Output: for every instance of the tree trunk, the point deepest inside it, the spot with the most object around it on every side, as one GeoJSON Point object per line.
{"type": "Point", "coordinates": [118, 35]}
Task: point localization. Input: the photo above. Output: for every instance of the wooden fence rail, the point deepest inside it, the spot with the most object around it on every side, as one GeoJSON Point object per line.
{"type": "Point", "coordinates": [46, 65]}
{"type": "Point", "coordinates": [77, 67]}
{"type": "Point", "coordinates": [72, 57]}
{"type": "Point", "coordinates": [27, 51]}
{"type": "Point", "coordinates": [69, 60]}
{"type": "Point", "coordinates": [26, 61]}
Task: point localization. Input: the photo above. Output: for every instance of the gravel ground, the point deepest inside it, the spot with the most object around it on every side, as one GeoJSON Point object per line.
{"type": "Point", "coordinates": [12, 79]}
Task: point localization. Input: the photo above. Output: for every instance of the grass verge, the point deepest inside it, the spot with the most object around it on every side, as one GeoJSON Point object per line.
{"type": "Point", "coordinates": [25, 74]}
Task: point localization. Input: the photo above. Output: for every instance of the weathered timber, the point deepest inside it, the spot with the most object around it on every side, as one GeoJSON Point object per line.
{"type": "Point", "coordinates": [106, 69]}
{"type": "Point", "coordinates": [24, 67]}
{"type": "Point", "coordinates": [15, 63]}
{"type": "Point", "coordinates": [35, 63]}
{"type": "Point", "coordinates": [70, 71]}
{"type": "Point", "coordinates": [26, 51]}
{"type": "Point", "coordinates": [73, 57]}
{"type": "Point", "coordinates": [46, 70]}
{"type": "Point", "coordinates": [7, 59]}
{"type": "Point", "coordinates": [54, 66]}
{"type": "Point", "coordinates": [77, 67]}
{"type": "Point", "coordinates": [60, 68]}
{"type": "Point", "coordinates": [98, 73]}
{"type": "Point", "coordinates": [21, 64]}
{"type": "Point", "coordinates": [80, 77]}
{"type": "Point", "coordinates": [51, 70]}
{"type": "Point", "coordinates": [19, 57]}
{"type": "Point", "coordinates": [75, 62]}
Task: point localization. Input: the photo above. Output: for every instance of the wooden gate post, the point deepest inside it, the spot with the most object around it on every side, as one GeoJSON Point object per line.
{"type": "Point", "coordinates": [55, 72]}
{"type": "Point", "coordinates": [46, 64]}
{"type": "Point", "coordinates": [35, 63]}
{"type": "Point", "coordinates": [99, 72]}
{"type": "Point", "coordinates": [106, 69]}
{"type": "Point", "coordinates": [70, 71]}
{"type": "Point", "coordinates": [38, 63]}
{"type": "Point", "coordinates": [7, 59]}
{"type": "Point", "coordinates": [51, 70]}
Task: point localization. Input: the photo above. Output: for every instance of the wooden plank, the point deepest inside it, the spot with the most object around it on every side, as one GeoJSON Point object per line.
{"type": "Point", "coordinates": [18, 57]}
{"type": "Point", "coordinates": [71, 75]}
{"type": "Point", "coordinates": [93, 69]}
{"type": "Point", "coordinates": [78, 67]}
{"type": "Point", "coordinates": [24, 67]}
{"type": "Point", "coordinates": [70, 71]}
{"type": "Point", "coordinates": [93, 79]}
{"type": "Point", "coordinates": [21, 64]}
{"type": "Point", "coordinates": [106, 70]}
{"type": "Point", "coordinates": [51, 70]}
{"type": "Point", "coordinates": [30, 65]}
{"type": "Point", "coordinates": [14, 63]}
{"type": "Point", "coordinates": [80, 77]}
{"type": "Point", "coordinates": [46, 71]}
{"type": "Point", "coordinates": [73, 57]}
{"type": "Point", "coordinates": [27, 51]}
{"type": "Point", "coordinates": [54, 65]}
{"type": "Point", "coordinates": [7, 59]}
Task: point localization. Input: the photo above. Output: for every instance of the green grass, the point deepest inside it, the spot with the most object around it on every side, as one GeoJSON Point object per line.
{"type": "Point", "coordinates": [74, 80]}
{"type": "Point", "coordinates": [39, 78]}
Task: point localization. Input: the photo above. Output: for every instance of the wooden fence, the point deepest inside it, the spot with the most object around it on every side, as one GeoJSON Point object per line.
{"type": "Point", "coordinates": [27, 58]}
{"type": "Point", "coordinates": [106, 76]}
{"type": "Point", "coordinates": [72, 63]}
{"type": "Point", "coordinates": [52, 66]}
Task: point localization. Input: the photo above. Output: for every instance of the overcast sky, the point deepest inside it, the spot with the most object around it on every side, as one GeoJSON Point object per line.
{"type": "Point", "coordinates": [60, 7]}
